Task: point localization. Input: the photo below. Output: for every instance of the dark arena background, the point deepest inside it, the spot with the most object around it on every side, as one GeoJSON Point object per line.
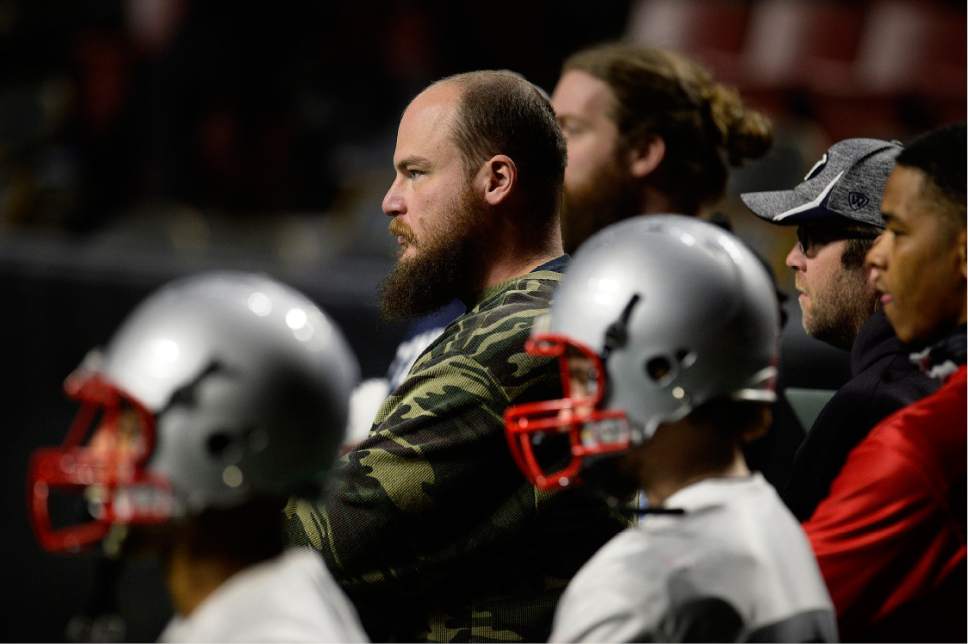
{"type": "Point", "coordinates": [141, 140]}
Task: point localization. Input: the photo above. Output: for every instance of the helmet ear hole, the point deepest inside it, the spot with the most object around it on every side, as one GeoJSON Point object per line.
{"type": "Point", "coordinates": [223, 446]}
{"type": "Point", "coordinates": [660, 369]}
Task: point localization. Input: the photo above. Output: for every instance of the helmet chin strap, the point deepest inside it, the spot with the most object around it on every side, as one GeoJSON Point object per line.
{"type": "Point", "coordinates": [641, 512]}
{"type": "Point", "coordinates": [630, 508]}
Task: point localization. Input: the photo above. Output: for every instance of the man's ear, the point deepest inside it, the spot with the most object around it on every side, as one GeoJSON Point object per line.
{"type": "Point", "coordinates": [646, 157]}
{"type": "Point", "coordinates": [498, 176]}
{"type": "Point", "coordinates": [760, 426]}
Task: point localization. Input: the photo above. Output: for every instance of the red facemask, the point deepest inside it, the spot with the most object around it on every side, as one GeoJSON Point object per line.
{"type": "Point", "coordinates": [550, 439]}
{"type": "Point", "coordinates": [106, 466]}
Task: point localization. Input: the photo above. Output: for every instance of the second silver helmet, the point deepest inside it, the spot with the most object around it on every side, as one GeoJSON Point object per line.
{"type": "Point", "coordinates": [667, 312]}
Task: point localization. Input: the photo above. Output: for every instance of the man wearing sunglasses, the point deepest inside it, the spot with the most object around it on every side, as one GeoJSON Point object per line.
{"type": "Point", "coordinates": [890, 537]}
{"type": "Point", "coordinates": [836, 210]}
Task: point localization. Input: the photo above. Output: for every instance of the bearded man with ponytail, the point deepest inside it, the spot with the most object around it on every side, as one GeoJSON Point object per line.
{"type": "Point", "coordinates": [648, 131]}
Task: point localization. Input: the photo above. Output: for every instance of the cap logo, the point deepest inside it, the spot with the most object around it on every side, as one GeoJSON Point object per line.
{"type": "Point", "coordinates": [857, 200]}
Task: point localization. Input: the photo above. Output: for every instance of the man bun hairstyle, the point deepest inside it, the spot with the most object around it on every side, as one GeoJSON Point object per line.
{"type": "Point", "coordinates": [501, 112]}
{"type": "Point", "coordinates": [940, 155]}
{"type": "Point", "coordinates": [744, 133]}
{"type": "Point", "coordinates": [705, 125]}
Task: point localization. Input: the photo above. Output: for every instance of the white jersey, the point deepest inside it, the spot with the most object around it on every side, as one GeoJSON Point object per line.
{"type": "Point", "coordinates": [734, 566]}
{"type": "Point", "coordinates": [291, 598]}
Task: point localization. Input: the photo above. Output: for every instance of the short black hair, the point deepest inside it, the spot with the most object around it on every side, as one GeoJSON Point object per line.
{"type": "Point", "coordinates": [940, 155]}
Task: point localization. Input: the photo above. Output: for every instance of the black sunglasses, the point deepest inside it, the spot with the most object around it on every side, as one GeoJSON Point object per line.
{"type": "Point", "coordinates": [813, 238]}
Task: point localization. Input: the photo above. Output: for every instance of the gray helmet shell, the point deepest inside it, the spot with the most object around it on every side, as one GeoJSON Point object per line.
{"type": "Point", "coordinates": [705, 325]}
{"type": "Point", "coordinates": [249, 382]}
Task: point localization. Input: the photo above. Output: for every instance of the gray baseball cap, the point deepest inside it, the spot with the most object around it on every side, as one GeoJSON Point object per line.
{"type": "Point", "coordinates": [847, 182]}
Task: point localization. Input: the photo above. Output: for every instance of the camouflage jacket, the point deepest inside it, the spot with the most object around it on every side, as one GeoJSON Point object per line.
{"type": "Point", "coordinates": [429, 526]}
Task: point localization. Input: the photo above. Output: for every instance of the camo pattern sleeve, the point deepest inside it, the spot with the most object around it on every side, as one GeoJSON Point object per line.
{"type": "Point", "coordinates": [429, 527]}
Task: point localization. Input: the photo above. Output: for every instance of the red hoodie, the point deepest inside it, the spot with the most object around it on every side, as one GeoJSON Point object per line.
{"type": "Point", "coordinates": [890, 537]}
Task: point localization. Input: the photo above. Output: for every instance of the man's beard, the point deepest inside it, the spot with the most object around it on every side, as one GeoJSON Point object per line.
{"type": "Point", "coordinates": [448, 264]}
{"type": "Point", "coordinates": [837, 315]}
{"type": "Point", "coordinates": [609, 196]}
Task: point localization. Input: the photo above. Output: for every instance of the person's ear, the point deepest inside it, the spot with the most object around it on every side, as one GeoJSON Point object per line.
{"type": "Point", "coordinates": [499, 175]}
{"type": "Point", "coordinates": [646, 157]}
{"type": "Point", "coordinates": [761, 425]}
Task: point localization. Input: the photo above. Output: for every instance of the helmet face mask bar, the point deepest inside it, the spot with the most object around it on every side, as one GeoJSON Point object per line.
{"type": "Point", "coordinates": [577, 420]}
{"type": "Point", "coordinates": [103, 458]}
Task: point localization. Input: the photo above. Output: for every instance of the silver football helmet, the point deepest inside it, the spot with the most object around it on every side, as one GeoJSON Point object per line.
{"type": "Point", "coordinates": [215, 389]}
{"type": "Point", "coordinates": [665, 313]}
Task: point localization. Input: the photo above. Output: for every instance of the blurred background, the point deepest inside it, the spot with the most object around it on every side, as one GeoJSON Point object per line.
{"type": "Point", "coordinates": [141, 140]}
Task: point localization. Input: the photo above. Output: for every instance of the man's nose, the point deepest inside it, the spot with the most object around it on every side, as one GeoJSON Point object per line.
{"type": "Point", "coordinates": [795, 258]}
{"type": "Point", "coordinates": [393, 204]}
{"type": "Point", "coordinates": [875, 260]}
{"type": "Point", "coordinates": [876, 255]}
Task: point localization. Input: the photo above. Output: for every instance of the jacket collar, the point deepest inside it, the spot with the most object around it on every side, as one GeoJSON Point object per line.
{"type": "Point", "coordinates": [556, 265]}
{"type": "Point", "coordinates": [943, 358]}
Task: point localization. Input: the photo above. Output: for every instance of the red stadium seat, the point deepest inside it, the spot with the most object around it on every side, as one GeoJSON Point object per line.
{"type": "Point", "coordinates": [710, 31]}
{"type": "Point", "coordinates": [909, 73]}
{"type": "Point", "coordinates": [913, 47]}
{"type": "Point", "coordinates": [789, 42]}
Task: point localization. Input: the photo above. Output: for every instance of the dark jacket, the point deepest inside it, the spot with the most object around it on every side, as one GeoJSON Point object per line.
{"type": "Point", "coordinates": [883, 380]}
{"type": "Point", "coordinates": [890, 537]}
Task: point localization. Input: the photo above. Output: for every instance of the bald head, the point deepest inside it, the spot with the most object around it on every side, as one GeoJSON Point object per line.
{"type": "Point", "coordinates": [439, 100]}
{"type": "Point", "coordinates": [500, 112]}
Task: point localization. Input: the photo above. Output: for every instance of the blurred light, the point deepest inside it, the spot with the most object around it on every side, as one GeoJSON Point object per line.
{"type": "Point", "coordinates": [304, 333]}
{"type": "Point", "coordinates": [296, 319]}
{"type": "Point", "coordinates": [162, 354]}
{"type": "Point", "coordinates": [735, 250]}
{"type": "Point", "coordinates": [260, 304]}
{"type": "Point", "coordinates": [603, 289]}
{"type": "Point", "coordinates": [232, 476]}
